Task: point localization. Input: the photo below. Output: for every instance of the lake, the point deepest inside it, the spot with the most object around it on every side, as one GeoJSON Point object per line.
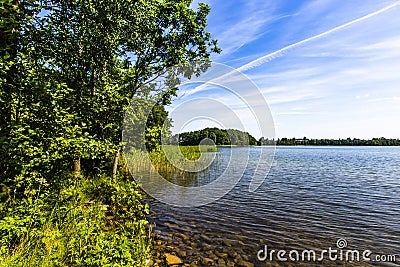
{"type": "Point", "coordinates": [311, 198]}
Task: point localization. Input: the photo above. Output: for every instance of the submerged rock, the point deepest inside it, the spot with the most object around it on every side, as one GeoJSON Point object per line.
{"type": "Point", "coordinates": [207, 261]}
{"type": "Point", "coordinates": [221, 254]}
{"type": "Point", "coordinates": [149, 263]}
{"type": "Point", "coordinates": [182, 253]}
{"type": "Point", "coordinates": [221, 262]}
{"type": "Point", "coordinates": [227, 243]}
{"type": "Point", "coordinates": [172, 259]}
{"type": "Point", "coordinates": [185, 237]}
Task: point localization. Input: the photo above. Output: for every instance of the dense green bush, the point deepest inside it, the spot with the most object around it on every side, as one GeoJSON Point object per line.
{"type": "Point", "coordinates": [90, 222]}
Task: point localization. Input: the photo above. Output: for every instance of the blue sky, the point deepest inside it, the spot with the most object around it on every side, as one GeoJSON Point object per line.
{"type": "Point", "coordinates": [337, 74]}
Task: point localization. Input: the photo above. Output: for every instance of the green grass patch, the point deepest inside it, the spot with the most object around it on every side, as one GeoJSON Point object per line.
{"type": "Point", "coordinates": [194, 152]}
{"type": "Point", "coordinates": [171, 159]}
{"type": "Point", "coordinates": [89, 222]}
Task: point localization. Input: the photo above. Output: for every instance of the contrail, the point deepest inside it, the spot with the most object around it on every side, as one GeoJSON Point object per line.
{"type": "Point", "coordinates": [264, 59]}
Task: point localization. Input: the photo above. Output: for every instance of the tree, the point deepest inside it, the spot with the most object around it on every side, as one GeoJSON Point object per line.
{"type": "Point", "coordinates": [157, 126]}
{"type": "Point", "coordinates": [219, 136]}
{"type": "Point", "coordinates": [83, 61]}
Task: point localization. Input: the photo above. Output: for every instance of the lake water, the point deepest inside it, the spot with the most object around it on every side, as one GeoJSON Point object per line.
{"type": "Point", "coordinates": [312, 197]}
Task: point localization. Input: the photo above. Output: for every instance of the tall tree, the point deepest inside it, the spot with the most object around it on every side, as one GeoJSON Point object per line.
{"type": "Point", "coordinates": [85, 60]}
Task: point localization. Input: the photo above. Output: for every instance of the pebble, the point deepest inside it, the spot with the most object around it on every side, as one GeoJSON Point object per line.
{"type": "Point", "coordinates": [149, 263]}
{"type": "Point", "coordinates": [245, 263]}
{"type": "Point", "coordinates": [173, 249]}
{"type": "Point", "coordinates": [189, 252]}
{"type": "Point", "coordinates": [230, 263]}
{"type": "Point", "coordinates": [172, 259]}
{"type": "Point", "coordinates": [185, 237]}
{"type": "Point", "coordinates": [221, 254]}
{"type": "Point", "coordinates": [227, 243]}
{"type": "Point", "coordinates": [208, 261]}
{"type": "Point", "coordinates": [182, 253]}
{"type": "Point", "coordinates": [207, 247]}
{"type": "Point", "coordinates": [157, 232]}
{"type": "Point", "coordinates": [206, 238]}
{"type": "Point", "coordinates": [221, 262]}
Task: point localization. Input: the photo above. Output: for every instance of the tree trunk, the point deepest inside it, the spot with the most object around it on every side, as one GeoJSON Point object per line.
{"type": "Point", "coordinates": [115, 167]}
{"type": "Point", "coordinates": [77, 167]}
{"type": "Point", "coordinates": [123, 164]}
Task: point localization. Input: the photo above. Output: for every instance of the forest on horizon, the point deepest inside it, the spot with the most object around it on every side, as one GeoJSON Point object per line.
{"type": "Point", "coordinates": [234, 137]}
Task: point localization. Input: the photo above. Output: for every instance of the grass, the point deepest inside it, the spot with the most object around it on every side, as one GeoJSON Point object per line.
{"type": "Point", "coordinates": [90, 222]}
{"type": "Point", "coordinates": [171, 159]}
{"type": "Point", "coordinates": [194, 152]}
{"type": "Point", "coordinates": [95, 221]}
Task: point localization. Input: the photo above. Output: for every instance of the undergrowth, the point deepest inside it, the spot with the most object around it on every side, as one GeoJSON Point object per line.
{"type": "Point", "coordinates": [87, 222]}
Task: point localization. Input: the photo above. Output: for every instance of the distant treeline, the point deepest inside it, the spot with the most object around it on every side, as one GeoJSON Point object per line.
{"type": "Point", "coordinates": [218, 136]}
{"type": "Point", "coordinates": [239, 138]}
{"type": "Point", "coordinates": [330, 142]}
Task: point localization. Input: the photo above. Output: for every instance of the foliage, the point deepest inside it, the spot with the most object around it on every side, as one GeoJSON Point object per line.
{"type": "Point", "coordinates": [217, 136]}
{"type": "Point", "coordinates": [90, 223]}
{"type": "Point", "coordinates": [69, 70]}
{"type": "Point", "coordinates": [331, 142]}
{"type": "Point", "coordinates": [157, 127]}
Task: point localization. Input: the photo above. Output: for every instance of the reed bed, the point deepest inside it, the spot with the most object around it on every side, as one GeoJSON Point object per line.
{"type": "Point", "coordinates": [173, 162]}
